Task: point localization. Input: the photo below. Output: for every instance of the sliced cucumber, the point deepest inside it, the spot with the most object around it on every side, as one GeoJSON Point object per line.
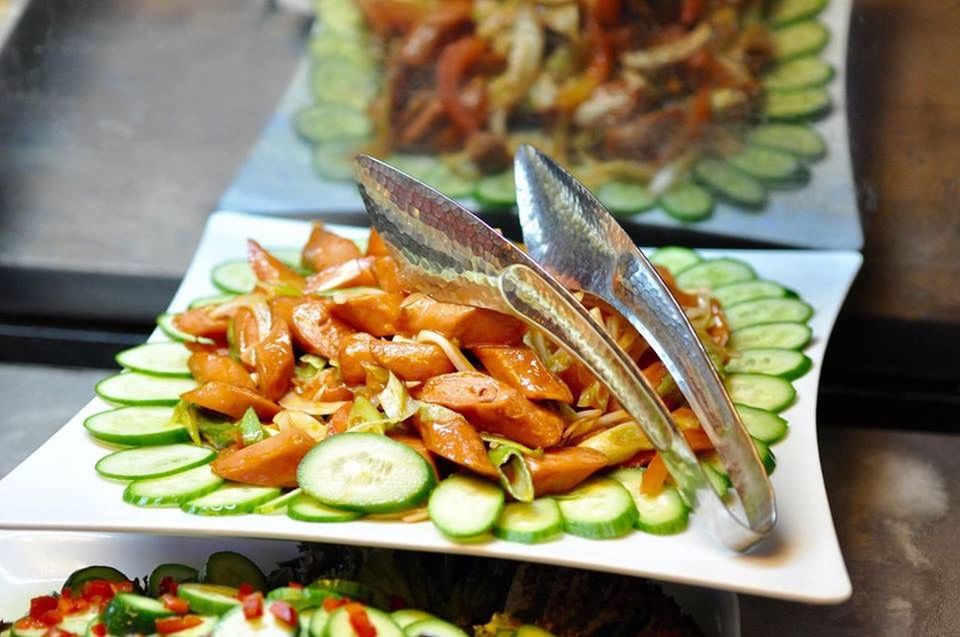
{"type": "Point", "coordinates": [464, 507]}
{"type": "Point", "coordinates": [334, 159]}
{"type": "Point", "coordinates": [318, 623]}
{"type": "Point", "coordinates": [212, 299]}
{"type": "Point", "coordinates": [351, 45]}
{"type": "Point", "coordinates": [763, 425]}
{"type": "Point", "coordinates": [406, 616]}
{"type": "Point", "coordinates": [715, 273]}
{"type": "Point", "coordinates": [761, 311]}
{"type": "Point", "coordinates": [235, 277]}
{"type": "Point", "coordinates": [780, 335]}
{"type": "Point", "coordinates": [497, 191]}
{"type": "Point", "coordinates": [625, 197]}
{"type": "Point", "coordinates": [204, 629]}
{"type": "Point", "coordinates": [786, 11]}
{"type": "Point", "coordinates": [730, 183]}
{"type": "Point", "coordinates": [209, 599]}
{"type": "Point", "coordinates": [337, 79]}
{"type": "Point", "coordinates": [178, 573]}
{"type": "Point", "coordinates": [799, 39]}
{"type": "Point", "coordinates": [156, 359]}
{"type": "Point", "coordinates": [443, 179]}
{"type": "Point", "coordinates": [433, 627]}
{"type": "Point", "coordinates": [729, 295]}
{"type": "Point", "coordinates": [804, 72]}
{"type": "Point", "coordinates": [807, 103]}
{"type": "Point", "coordinates": [153, 462]}
{"type": "Point", "coordinates": [339, 624]}
{"type": "Point", "coordinates": [227, 568]}
{"type": "Point", "coordinates": [716, 474]}
{"type": "Point", "coordinates": [353, 590]}
{"type": "Point", "coordinates": [768, 165]}
{"type": "Point", "coordinates": [235, 624]}
{"type": "Point", "coordinates": [332, 122]}
{"type": "Point", "coordinates": [663, 514]}
{"type": "Point", "coordinates": [365, 472]}
{"type": "Point", "coordinates": [136, 426]}
{"type": "Point", "coordinates": [232, 499]}
{"type": "Point", "coordinates": [687, 201]}
{"type": "Point", "coordinates": [174, 489]}
{"type": "Point", "coordinates": [340, 16]}
{"type": "Point", "coordinates": [307, 509]}
{"type": "Point", "coordinates": [763, 392]}
{"type": "Point", "coordinates": [417, 166]}
{"type": "Point", "coordinates": [299, 598]}
{"type": "Point", "coordinates": [279, 503]}
{"type": "Point", "coordinates": [167, 326]}
{"type": "Point", "coordinates": [90, 573]}
{"type": "Point", "coordinates": [767, 458]}
{"type": "Point", "coordinates": [128, 614]}
{"type": "Point", "coordinates": [785, 363]}
{"type": "Point", "coordinates": [598, 509]}
{"type": "Point", "coordinates": [76, 623]}
{"type": "Point", "coordinates": [675, 259]}
{"type": "Point", "coordinates": [529, 522]}
{"type": "Point", "coordinates": [799, 139]}
{"type": "Point", "coordinates": [134, 388]}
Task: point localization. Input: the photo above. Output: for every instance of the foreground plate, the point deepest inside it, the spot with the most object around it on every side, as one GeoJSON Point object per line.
{"type": "Point", "coordinates": [57, 487]}
{"type": "Point", "coordinates": [278, 176]}
{"type": "Point", "coordinates": [37, 563]}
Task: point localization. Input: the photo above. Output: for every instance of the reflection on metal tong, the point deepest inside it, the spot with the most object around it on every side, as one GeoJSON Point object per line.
{"type": "Point", "coordinates": [445, 251]}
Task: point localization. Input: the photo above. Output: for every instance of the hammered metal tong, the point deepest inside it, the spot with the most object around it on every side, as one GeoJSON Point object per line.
{"type": "Point", "coordinates": [445, 251]}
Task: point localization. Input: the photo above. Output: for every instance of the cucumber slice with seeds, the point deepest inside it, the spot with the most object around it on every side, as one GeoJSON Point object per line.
{"type": "Point", "coordinates": [785, 363]}
{"type": "Point", "coordinates": [730, 183]}
{"type": "Point", "coordinates": [762, 425]}
{"type": "Point", "coordinates": [786, 11]}
{"type": "Point", "coordinates": [800, 73]}
{"type": "Point", "coordinates": [339, 80]}
{"type": "Point", "coordinates": [715, 273]}
{"type": "Point", "coordinates": [802, 104]}
{"type": "Point", "coordinates": [156, 359]}
{"type": "Point", "coordinates": [134, 388]}
{"type": "Point", "coordinates": [780, 335]}
{"type": "Point", "coordinates": [233, 499]}
{"type": "Point", "coordinates": [729, 295]}
{"type": "Point", "coordinates": [529, 522]}
{"type": "Point", "coordinates": [663, 514]}
{"type": "Point", "coordinates": [307, 509]}
{"type": "Point", "coordinates": [167, 326]}
{"type": "Point", "coordinates": [760, 391]}
{"type": "Point", "coordinates": [209, 599]}
{"type": "Point", "coordinates": [687, 201]}
{"type": "Point", "coordinates": [234, 277]}
{"type": "Point", "coordinates": [799, 39]}
{"type": "Point", "coordinates": [174, 489]}
{"type": "Point", "coordinates": [768, 165]}
{"type": "Point", "coordinates": [136, 426]}
{"type": "Point", "coordinates": [432, 627]}
{"type": "Point", "coordinates": [675, 259]}
{"type": "Point", "coordinates": [465, 507]}
{"type": "Point", "coordinates": [598, 509]}
{"type": "Point", "coordinates": [406, 616]}
{"type": "Point", "coordinates": [365, 472]}
{"type": "Point", "coordinates": [798, 139]}
{"type": "Point", "coordinates": [236, 624]}
{"type": "Point", "coordinates": [330, 122]}
{"type": "Point", "coordinates": [627, 198]}
{"type": "Point", "coordinates": [129, 614]}
{"type": "Point", "coordinates": [761, 311]}
{"type": "Point", "coordinates": [153, 462]}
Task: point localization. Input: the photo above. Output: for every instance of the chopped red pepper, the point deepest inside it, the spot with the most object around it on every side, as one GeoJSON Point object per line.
{"type": "Point", "coordinates": [178, 605]}
{"type": "Point", "coordinates": [167, 625]}
{"type": "Point", "coordinates": [99, 630]}
{"type": "Point", "coordinates": [42, 604]}
{"type": "Point", "coordinates": [284, 612]}
{"type": "Point", "coordinates": [243, 590]}
{"type": "Point", "coordinates": [331, 604]}
{"type": "Point", "coordinates": [50, 618]}
{"type": "Point", "coordinates": [360, 621]}
{"type": "Point", "coordinates": [253, 605]}
{"type": "Point", "coordinates": [168, 585]}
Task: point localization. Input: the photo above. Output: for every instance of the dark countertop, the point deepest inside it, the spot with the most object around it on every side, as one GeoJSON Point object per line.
{"type": "Point", "coordinates": [893, 498]}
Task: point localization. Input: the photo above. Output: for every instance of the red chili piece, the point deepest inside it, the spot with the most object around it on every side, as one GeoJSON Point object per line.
{"type": "Point", "coordinates": [253, 605]}
{"type": "Point", "coordinates": [284, 612]}
{"type": "Point", "coordinates": [360, 621]}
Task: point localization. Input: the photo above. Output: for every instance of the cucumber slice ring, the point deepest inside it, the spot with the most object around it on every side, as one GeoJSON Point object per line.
{"type": "Point", "coordinates": [365, 472]}
{"type": "Point", "coordinates": [136, 426]}
{"type": "Point", "coordinates": [465, 506]}
{"type": "Point", "coordinates": [598, 509]}
{"type": "Point", "coordinates": [153, 462]}
{"type": "Point", "coordinates": [157, 359]}
{"type": "Point", "coordinates": [530, 522]}
{"type": "Point", "coordinates": [234, 499]}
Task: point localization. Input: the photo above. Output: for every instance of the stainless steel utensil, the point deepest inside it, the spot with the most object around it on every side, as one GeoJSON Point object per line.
{"type": "Point", "coordinates": [569, 232]}
{"type": "Point", "coordinates": [447, 252]}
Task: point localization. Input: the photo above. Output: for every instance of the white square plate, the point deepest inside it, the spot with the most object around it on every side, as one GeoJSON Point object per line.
{"type": "Point", "coordinates": [57, 487]}
{"type": "Point", "coordinates": [34, 564]}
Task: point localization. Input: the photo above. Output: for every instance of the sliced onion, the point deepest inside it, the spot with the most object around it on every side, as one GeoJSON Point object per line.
{"type": "Point", "coordinates": [452, 351]}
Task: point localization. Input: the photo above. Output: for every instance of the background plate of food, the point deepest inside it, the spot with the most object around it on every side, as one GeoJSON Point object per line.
{"type": "Point", "coordinates": [697, 118]}
{"type": "Point", "coordinates": [800, 292]}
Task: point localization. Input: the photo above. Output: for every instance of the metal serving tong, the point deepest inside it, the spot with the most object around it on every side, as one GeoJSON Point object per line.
{"type": "Point", "coordinates": [447, 252]}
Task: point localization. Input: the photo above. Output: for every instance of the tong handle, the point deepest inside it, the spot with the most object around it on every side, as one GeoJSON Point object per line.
{"type": "Point", "coordinates": [641, 297]}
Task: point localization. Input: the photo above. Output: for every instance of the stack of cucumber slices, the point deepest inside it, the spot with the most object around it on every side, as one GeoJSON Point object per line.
{"type": "Point", "coordinates": [352, 475]}
{"type": "Point", "coordinates": [345, 76]}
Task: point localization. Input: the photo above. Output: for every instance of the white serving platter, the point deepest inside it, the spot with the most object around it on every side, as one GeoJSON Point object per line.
{"type": "Point", "coordinates": [34, 564]}
{"type": "Point", "coordinates": [278, 175]}
{"type": "Point", "coordinates": [57, 487]}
